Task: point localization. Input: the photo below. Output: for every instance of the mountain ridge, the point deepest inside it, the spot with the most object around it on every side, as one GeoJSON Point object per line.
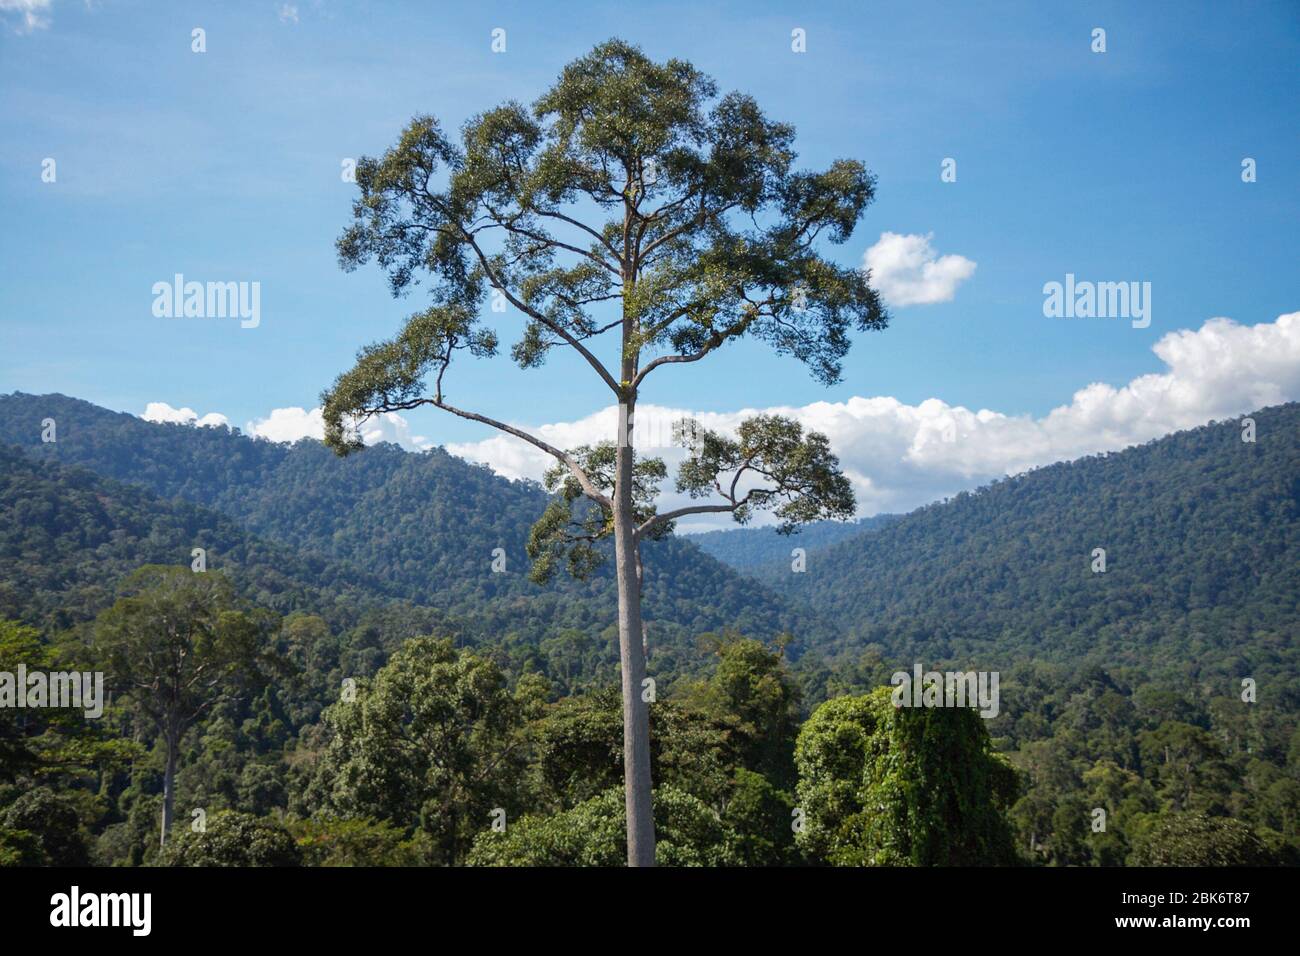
{"type": "Point", "coordinates": [427, 523]}
{"type": "Point", "coordinates": [985, 577]}
{"type": "Point", "coordinates": [1201, 539]}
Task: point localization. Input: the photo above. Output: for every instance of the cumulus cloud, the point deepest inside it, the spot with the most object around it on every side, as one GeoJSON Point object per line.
{"type": "Point", "coordinates": [513, 458]}
{"type": "Point", "coordinates": [288, 13]}
{"type": "Point", "coordinates": [288, 424]}
{"type": "Point", "coordinates": [162, 412]}
{"type": "Point", "coordinates": [30, 14]}
{"type": "Point", "coordinates": [293, 423]}
{"type": "Point", "coordinates": [907, 271]}
{"type": "Point", "coordinates": [901, 456]}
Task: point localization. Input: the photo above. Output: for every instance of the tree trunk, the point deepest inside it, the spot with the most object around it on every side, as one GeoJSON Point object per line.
{"type": "Point", "coordinates": [636, 712]}
{"type": "Point", "coordinates": [169, 789]}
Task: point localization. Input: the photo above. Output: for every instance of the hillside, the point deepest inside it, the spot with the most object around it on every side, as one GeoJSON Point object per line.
{"type": "Point", "coordinates": [1103, 676]}
{"type": "Point", "coordinates": [424, 524]}
{"type": "Point", "coordinates": [68, 536]}
{"type": "Point", "coordinates": [1199, 532]}
{"type": "Point", "coordinates": [1202, 562]}
{"type": "Point", "coordinates": [757, 550]}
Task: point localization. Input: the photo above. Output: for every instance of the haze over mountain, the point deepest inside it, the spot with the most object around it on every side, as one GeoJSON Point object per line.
{"type": "Point", "coordinates": [754, 550]}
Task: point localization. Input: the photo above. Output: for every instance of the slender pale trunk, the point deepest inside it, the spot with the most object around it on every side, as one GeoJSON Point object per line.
{"type": "Point", "coordinates": [169, 789]}
{"type": "Point", "coordinates": [636, 712]}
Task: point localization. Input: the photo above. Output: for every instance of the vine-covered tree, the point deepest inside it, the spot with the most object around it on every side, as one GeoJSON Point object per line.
{"type": "Point", "coordinates": [899, 786]}
{"type": "Point", "coordinates": [631, 204]}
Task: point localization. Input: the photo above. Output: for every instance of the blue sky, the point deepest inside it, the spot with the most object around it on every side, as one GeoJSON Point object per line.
{"type": "Point", "coordinates": [1115, 166]}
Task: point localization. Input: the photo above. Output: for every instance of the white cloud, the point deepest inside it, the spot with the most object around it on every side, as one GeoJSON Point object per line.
{"type": "Point", "coordinates": [901, 456]}
{"type": "Point", "coordinates": [288, 13]}
{"type": "Point", "coordinates": [33, 14]}
{"type": "Point", "coordinates": [293, 423]}
{"type": "Point", "coordinates": [514, 458]}
{"type": "Point", "coordinates": [288, 424]}
{"type": "Point", "coordinates": [907, 271]}
{"type": "Point", "coordinates": [162, 412]}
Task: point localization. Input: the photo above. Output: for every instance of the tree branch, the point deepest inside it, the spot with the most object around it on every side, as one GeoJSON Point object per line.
{"type": "Point", "coordinates": [588, 487]}
{"type": "Point", "coordinates": [718, 339]}
{"type": "Point", "coordinates": [559, 330]}
{"type": "Point", "coordinates": [667, 516]}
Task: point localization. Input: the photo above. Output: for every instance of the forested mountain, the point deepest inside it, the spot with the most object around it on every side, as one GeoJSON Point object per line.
{"type": "Point", "coordinates": [68, 536]}
{"type": "Point", "coordinates": [1202, 562]}
{"type": "Point", "coordinates": [426, 525]}
{"type": "Point", "coordinates": [1199, 533]}
{"type": "Point", "coordinates": [754, 551]}
{"type": "Point", "coordinates": [1120, 689]}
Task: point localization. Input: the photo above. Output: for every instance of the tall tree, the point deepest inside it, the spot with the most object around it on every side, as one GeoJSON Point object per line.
{"type": "Point", "coordinates": [175, 643]}
{"type": "Point", "coordinates": [630, 203]}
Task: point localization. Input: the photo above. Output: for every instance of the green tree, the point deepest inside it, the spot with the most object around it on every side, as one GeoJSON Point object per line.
{"type": "Point", "coordinates": [1070, 844]}
{"type": "Point", "coordinates": [630, 203]}
{"type": "Point", "coordinates": [177, 646]}
{"type": "Point", "coordinates": [1125, 797]}
{"type": "Point", "coordinates": [594, 833]}
{"type": "Point", "coordinates": [565, 652]}
{"type": "Point", "coordinates": [233, 839]}
{"type": "Point", "coordinates": [579, 754]}
{"type": "Point", "coordinates": [432, 742]}
{"type": "Point", "coordinates": [760, 820]}
{"type": "Point", "coordinates": [21, 848]}
{"type": "Point", "coordinates": [18, 645]}
{"type": "Point", "coordinates": [51, 826]}
{"type": "Point", "coordinates": [1197, 839]}
{"type": "Point", "coordinates": [881, 785]}
{"type": "Point", "coordinates": [332, 842]}
{"type": "Point", "coordinates": [1189, 765]}
{"type": "Point", "coordinates": [56, 746]}
{"type": "Point", "coordinates": [752, 685]}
